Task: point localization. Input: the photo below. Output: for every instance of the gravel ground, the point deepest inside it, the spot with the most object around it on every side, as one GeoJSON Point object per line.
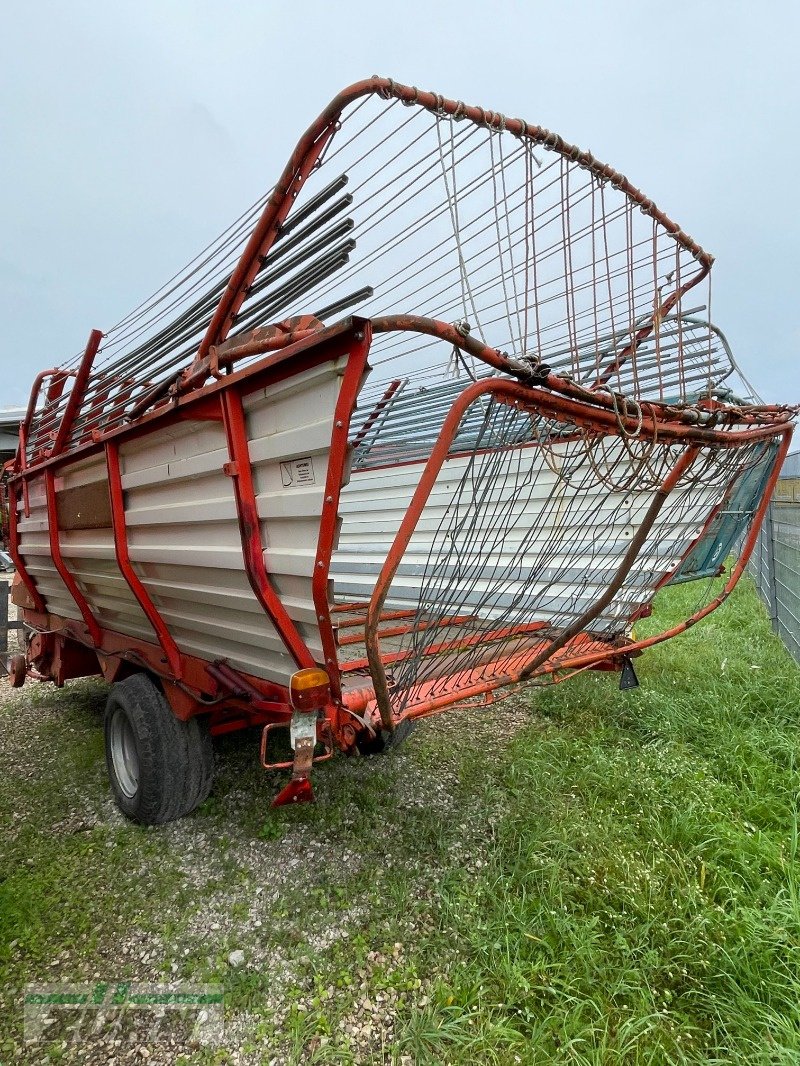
{"type": "Point", "coordinates": [311, 919]}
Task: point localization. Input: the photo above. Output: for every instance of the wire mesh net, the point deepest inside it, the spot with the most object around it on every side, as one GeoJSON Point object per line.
{"type": "Point", "coordinates": [522, 557]}
{"type": "Point", "coordinates": [533, 246]}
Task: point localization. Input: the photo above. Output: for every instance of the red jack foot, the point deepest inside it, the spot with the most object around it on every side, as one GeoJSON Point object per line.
{"type": "Point", "coordinates": [297, 791]}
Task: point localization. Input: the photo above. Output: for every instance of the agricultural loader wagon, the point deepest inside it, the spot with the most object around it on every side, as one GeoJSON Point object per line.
{"type": "Point", "coordinates": [436, 416]}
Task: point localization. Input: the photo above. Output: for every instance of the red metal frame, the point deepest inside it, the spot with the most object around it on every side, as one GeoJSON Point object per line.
{"type": "Point", "coordinates": [329, 521]}
{"type": "Point", "coordinates": [194, 685]}
{"type": "Point", "coordinates": [513, 393]}
{"type": "Point", "coordinates": [78, 392]}
{"type": "Point", "coordinates": [351, 340]}
{"type": "Point", "coordinates": [58, 559]}
{"type": "Point", "coordinates": [191, 682]}
{"type": "Point", "coordinates": [241, 475]}
{"type": "Point", "coordinates": [468, 684]}
{"type": "Point", "coordinates": [309, 149]}
{"type": "Point", "coordinates": [168, 645]}
{"type": "Point", "coordinates": [306, 352]}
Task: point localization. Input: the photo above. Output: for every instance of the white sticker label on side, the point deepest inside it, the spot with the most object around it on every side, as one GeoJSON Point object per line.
{"type": "Point", "coordinates": [298, 472]}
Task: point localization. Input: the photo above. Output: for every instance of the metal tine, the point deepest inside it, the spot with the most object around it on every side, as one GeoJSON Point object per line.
{"type": "Point", "coordinates": [299, 285]}
{"type": "Point", "coordinates": [315, 202]}
{"type": "Point", "coordinates": [305, 252]}
{"type": "Point", "coordinates": [346, 301]}
{"type": "Point", "coordinates": [278, 297]}
{"type": "Point", "coordinates": [315, 224]}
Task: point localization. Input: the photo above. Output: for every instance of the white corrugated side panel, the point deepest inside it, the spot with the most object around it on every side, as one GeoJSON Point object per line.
{"type": "Point", "coordinates": [580, 535]}
{"type": "Point", "coordinates": [91, 559]}
{"type": "Point", "coordinates": [183, 532]}
{"type": "Point", "coordinates": [34, 546]}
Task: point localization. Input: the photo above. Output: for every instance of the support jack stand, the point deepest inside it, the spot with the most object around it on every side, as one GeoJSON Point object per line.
{"type": "Point", "coordinates": [303, 732]}
{"type": "Point", "coordinates": [628, 678]}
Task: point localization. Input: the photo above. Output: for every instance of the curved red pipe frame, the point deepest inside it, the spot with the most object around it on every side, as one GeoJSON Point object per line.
{"type": "Point", "coordinates": [311, 144]}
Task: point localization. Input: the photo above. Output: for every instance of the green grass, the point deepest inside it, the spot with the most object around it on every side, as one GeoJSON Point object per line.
{"type": "Point", "coordinates": [641, 901]}
{"type": "Point", "coordinates": [618, 883]}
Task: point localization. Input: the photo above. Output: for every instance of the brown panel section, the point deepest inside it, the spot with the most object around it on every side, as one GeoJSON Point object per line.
{"type": "Point", "coordinates": [84, 507]}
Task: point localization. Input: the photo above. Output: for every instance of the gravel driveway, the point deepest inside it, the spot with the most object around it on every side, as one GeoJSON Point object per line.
{"type": "Point", "coordinates": [305, 918]}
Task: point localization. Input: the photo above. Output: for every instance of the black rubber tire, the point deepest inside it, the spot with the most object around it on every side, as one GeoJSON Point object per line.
{"type": "Point", "coordinates": [175, 759]}
{"type": "Point", "coordinates": [383, 741]}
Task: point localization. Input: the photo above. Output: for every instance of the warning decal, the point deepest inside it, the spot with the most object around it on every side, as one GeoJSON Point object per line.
{"type": "Point", "coordinates": [297, 472]}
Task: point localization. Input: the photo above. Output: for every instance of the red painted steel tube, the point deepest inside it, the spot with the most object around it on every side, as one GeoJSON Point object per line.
{"type": "Point", "coordinates": [522, 630]}
{"type": "Point", "coordinates": [564, 399]}
{"type": "Point", "coordinates": [398, 631]}
{"type": "Point", "coordinates": [400, 543]}
{"type": "Point", "coordinates": [262, 238]}
{"type": "Point", "coordinates": [58, 560]}
{"type": "Point", "coordinates": [329, 521]}
{"type": "Point", "coordinates": [24, 426]}
{"type": "Point", "coordinates": [250, 528]}
{"type": "Point", "coordinates": [387, 616]}
{"type": "Point", "coordinates": [311, 351]}
{"type": "Point", "coordinates": [741, 562]}
{"type": "Point", "coordinates": [78, 392]}
{"type": "Point", "coordinates": [377, 411]}
{"type": "Point", "coordinates": [163, 635]}
{"type": "Point", "coordinates": [464, 684]}
{"type": "Point", "coordinates": [359, 700]}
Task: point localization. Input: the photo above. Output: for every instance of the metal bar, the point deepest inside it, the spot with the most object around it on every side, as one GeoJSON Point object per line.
{"type": "Point", "coordinates": [380, 410]}
{"type": "Point", "coordinates": [387, 616]}
{"type": "Point", "coordinates": [391, 658]}
{"type": "Point", "coordinates": [58, 559]}
{"type": "Point", "coordinates": [529, 397]}
{"type": "Point", "coordinates": [274, 302]}
{"type": "Point", "coordinates": [77, 392]}
{"type": "Point", "coordinates": [241, 475]}
{"type": "Point", "coordinates": [315, 202]}
{"type": "Point", "coordinates": [354, 298]}
{"type": "Point", "coordinates": [685, 422]}
{"type": "Point", "coordinates": [400, 543]}
{"type": "Point", "coordinates": [25, 424]}
{"type": "Point", "coordinates": [399, 631]}
{"type": "Point", "coordinates": [304, 253]}
{"type": "Point", "coordinates": [264, 235]}
{"type": "Point", "coordinates": [637, 542]}
{"type": "Point", "coordinates": [329, 521]}
{"type": "Point", "coordinates": [741, 563]}
{"type": "Point", "coordinates": [119, 525]}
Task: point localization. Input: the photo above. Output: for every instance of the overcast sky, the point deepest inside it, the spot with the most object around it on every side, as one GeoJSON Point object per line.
{"type": "Point", "coordinates": [133, 133]}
